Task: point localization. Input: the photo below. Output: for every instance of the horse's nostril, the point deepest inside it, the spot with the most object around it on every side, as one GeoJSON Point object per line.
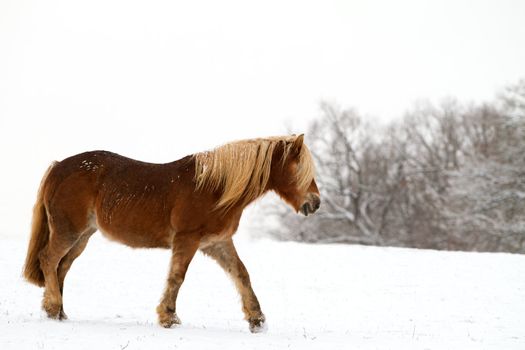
{"type": "Point", "coordinates": [313, 202]}
{"type": "Point", "coordinates": [316, 203]}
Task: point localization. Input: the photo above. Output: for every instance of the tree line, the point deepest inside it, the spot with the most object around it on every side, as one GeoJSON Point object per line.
{"type": "Point", "coordinates": [448, 176]}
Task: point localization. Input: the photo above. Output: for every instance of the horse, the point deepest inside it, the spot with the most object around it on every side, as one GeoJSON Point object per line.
{"type": "Point", "coordinates": [194, 203]}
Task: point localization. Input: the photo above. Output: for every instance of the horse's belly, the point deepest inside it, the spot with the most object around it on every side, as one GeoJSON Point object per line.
{"type": "Point", "coordinates": [136, 235]}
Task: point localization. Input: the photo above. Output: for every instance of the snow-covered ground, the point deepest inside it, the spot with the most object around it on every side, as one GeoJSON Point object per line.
{"type": "Point", "coordinates": [322, 297]}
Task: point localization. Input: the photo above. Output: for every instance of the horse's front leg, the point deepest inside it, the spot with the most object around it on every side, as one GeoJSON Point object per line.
{"type": "Point", "coordinates": [184, 247]}
{"type": "Point", "coordinates": [226, 255]}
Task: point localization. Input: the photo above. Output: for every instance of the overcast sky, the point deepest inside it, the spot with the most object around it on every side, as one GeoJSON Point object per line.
{"type": "Point", "coordinates": [157, 80]}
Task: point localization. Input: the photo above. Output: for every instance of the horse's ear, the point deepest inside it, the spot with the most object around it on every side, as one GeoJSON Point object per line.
{"type": "Point", "coordinates": [298, 144]}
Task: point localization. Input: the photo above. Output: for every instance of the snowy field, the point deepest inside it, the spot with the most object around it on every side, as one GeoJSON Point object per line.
{"type": "Point", "coordinates": [314, 297]}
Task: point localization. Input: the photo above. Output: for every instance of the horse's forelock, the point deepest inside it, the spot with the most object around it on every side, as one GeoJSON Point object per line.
{"type": "Point", "coordinates": [306, 170]}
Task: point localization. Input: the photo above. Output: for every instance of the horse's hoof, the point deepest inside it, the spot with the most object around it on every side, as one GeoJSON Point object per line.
{"type": "Point", "coordinates": [52, 310]}
{"type": "Point", "coordinates": [258, 324]}
{"type": "Point", "coordinates": [62, 315]}
{"type": "Point", "coordinates": [167, 321]}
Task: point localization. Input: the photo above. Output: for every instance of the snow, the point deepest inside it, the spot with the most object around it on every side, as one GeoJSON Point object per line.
{"type": "Point", "coordinates": [314, 297]}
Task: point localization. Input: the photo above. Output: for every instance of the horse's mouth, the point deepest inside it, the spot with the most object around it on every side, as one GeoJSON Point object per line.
{"type": "Point", "coordinates": [304, 209]}
{"type": "Point", "coordinates": [311, 206]}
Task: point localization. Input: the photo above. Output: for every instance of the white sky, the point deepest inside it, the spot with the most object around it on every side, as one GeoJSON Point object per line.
{"type": "Point", "coordinates": [157, 80]}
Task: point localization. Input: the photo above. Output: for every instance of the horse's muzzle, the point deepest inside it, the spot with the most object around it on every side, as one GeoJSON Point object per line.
{"type": "Point", "coordinates": [313, 202]}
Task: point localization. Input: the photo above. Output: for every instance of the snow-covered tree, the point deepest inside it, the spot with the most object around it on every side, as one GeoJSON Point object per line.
{"type": "Point", "coordinates": [445, 177]}
{"type": "Point", "coordinates": [487, 195]}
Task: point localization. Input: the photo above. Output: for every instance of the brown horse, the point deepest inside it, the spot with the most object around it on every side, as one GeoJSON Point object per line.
{"type": "Point", "coordinates": [190, 204]}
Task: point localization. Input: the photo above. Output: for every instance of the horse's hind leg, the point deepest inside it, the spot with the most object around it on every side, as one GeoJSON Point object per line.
{"type": "Point", "coordinates": [67, 261]}
{"type": "Point", "coordinates": [50, 257]}
{"type": "Point", "coordinates": [226, 255]}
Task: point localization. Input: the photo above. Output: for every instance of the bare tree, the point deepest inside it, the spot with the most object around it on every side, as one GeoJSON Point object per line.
{"type": "Point", "coordinates": [487, 196]}
{"type": "Point", "coordinates": [445, 177]}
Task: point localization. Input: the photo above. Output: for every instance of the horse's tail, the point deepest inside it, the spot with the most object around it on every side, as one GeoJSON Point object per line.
{"type": "Point", "coordinates": [39, 236]}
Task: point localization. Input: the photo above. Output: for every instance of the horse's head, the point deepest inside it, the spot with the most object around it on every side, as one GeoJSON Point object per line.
{"type": "Point", "coordinates": [292, 176]}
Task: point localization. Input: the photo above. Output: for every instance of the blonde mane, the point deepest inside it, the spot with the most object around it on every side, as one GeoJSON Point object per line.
{"type": "Point", "coordinates": [242, 168]}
